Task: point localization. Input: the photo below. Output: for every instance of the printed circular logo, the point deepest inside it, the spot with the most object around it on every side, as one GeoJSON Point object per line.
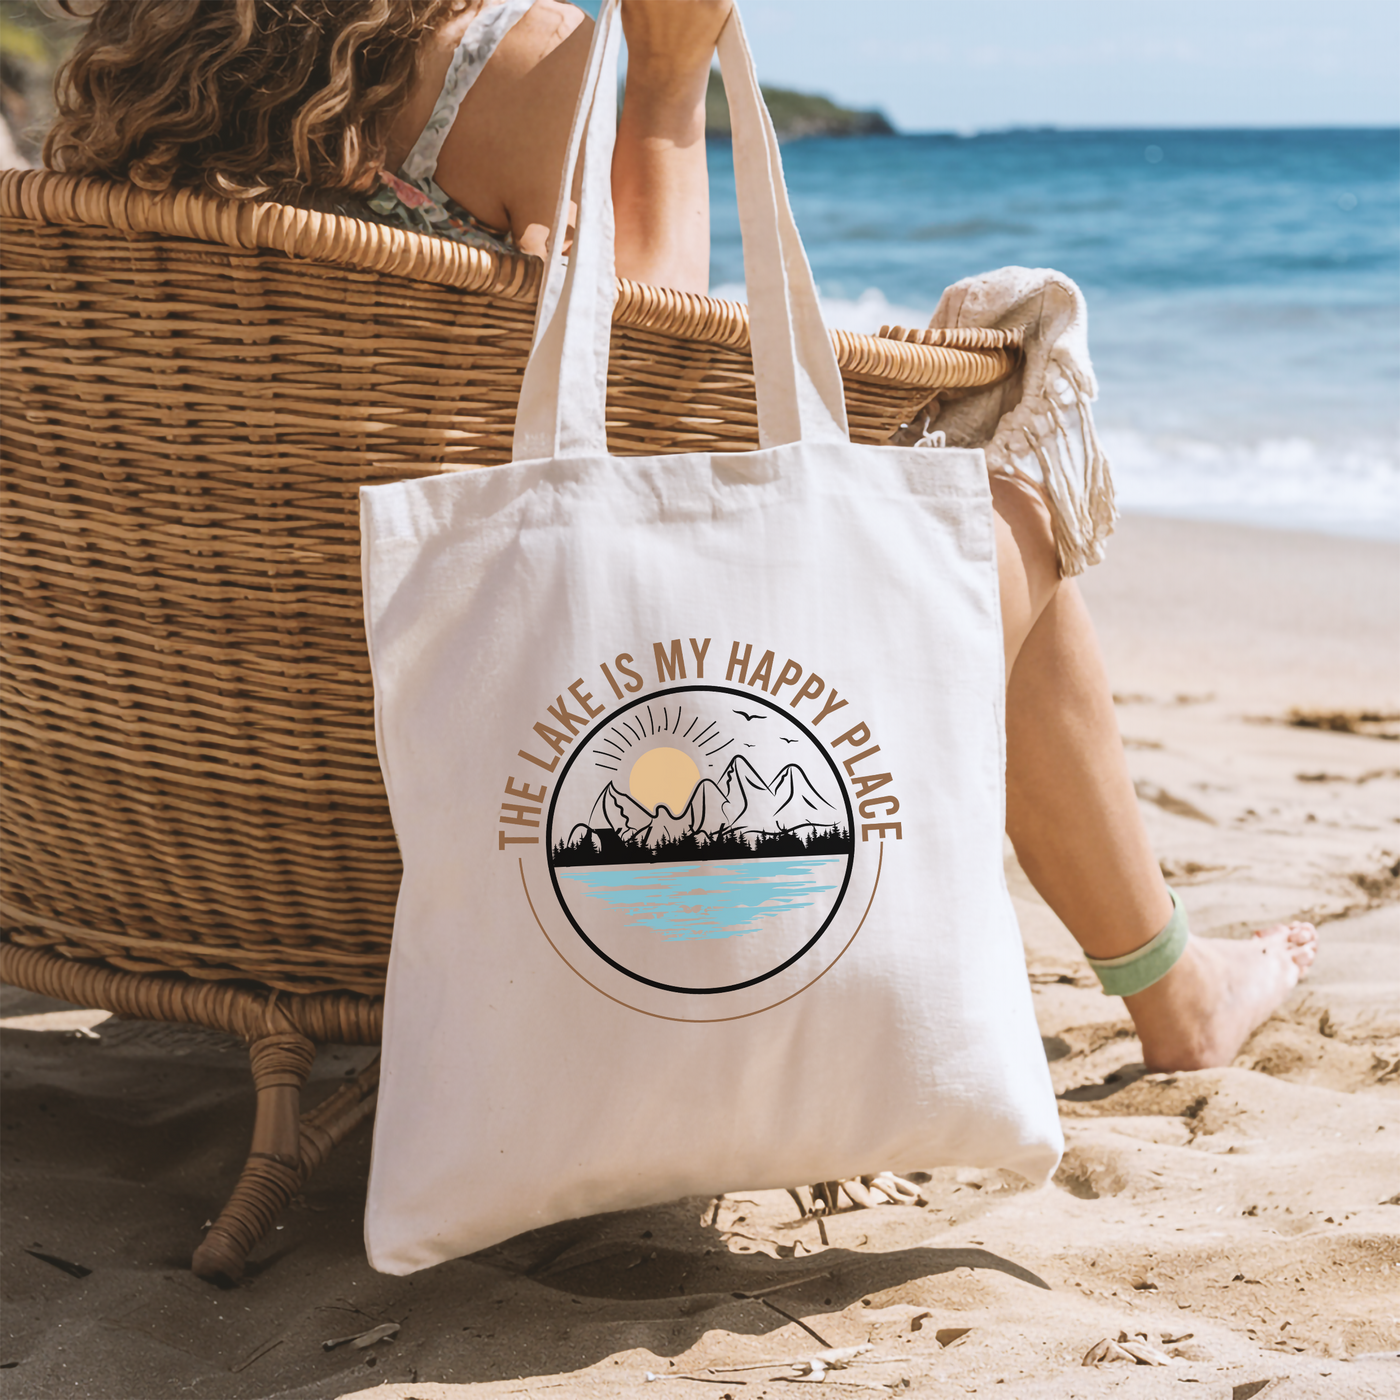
{"type": "Point", "coordinates": [700, 839]}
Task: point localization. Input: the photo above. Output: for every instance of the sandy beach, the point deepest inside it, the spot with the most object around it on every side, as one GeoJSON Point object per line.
{"type": "Point", "coordinates": [1240, 1226]}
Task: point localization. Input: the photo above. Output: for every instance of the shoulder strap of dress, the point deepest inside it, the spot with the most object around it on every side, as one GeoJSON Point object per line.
{"type": "Point", "coordinates": [481, 40]}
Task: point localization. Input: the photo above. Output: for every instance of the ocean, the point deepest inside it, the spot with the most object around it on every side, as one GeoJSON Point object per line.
{"type": "Point", "coordinates": [1243, 292]}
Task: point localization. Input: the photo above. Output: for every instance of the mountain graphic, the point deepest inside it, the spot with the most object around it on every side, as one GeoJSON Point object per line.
{"type": "Point", "coordinates": [737, 817]}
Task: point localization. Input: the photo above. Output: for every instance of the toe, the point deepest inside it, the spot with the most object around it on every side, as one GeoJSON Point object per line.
{"type": "Point", "coordinates": [1296, 932]}
{"type": "Point", "coordinates": [1302, 944]}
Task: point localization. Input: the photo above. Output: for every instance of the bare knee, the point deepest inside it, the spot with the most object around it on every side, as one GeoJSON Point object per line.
{"type": "Point", "coordinates": [1027, 567]}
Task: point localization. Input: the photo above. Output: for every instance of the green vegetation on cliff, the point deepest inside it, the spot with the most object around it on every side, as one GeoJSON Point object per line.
{"type": "Point", "coordinates": [796, 114]}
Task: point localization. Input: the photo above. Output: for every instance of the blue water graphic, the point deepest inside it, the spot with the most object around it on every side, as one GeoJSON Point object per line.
{"type": "Point", "coordinates": [707, 900]}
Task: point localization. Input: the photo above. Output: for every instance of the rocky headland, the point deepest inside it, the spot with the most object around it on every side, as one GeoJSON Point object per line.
{"type": "Point", "coordinates": [796, 114]}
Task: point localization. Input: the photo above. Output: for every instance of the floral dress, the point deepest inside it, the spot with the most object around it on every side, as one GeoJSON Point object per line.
{"type": "Point", "coordinates": [412, 198]}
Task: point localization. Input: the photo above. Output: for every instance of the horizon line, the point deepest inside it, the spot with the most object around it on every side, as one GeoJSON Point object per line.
{"type": "Point", "coordinates": [1045, 128]}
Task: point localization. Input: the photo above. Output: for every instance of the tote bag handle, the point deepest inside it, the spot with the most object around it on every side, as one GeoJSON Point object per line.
{"type": "Point", "coordinates": [798, 382]}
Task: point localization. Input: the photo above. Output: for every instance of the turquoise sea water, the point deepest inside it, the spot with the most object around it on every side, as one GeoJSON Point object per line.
{"type": "Point", "coordinates": [1243, 286]}
{"type": "Point", "coordinates": [707, 900]}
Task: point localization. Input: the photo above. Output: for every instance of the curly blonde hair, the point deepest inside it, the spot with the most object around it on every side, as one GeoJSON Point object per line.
{"type": "Point", "coordinates": [243, 98]}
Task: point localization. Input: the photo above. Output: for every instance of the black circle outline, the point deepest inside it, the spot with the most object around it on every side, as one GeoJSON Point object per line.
{"type": "Point", "coordinates": [637, 976]}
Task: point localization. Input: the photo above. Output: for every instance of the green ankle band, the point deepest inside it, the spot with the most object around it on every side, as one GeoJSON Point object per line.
{"type": "Point", "coordinates": [1135, 972]}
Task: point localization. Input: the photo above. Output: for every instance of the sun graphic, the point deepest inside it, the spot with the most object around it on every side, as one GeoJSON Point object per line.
{"type": "Point", "coordinates": [664, 777]}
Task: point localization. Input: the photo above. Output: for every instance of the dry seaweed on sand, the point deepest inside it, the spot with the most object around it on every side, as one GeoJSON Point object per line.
{"type": "Point", "coordinates": [382, 1333]}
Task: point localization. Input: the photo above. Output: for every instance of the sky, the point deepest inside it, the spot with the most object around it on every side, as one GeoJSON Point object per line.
{"type": "Point", "coordinates": [951, 65]}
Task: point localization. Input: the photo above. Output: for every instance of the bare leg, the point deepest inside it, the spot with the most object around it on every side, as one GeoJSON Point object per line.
{"type": "Point", "coordinates": [1073, 817]}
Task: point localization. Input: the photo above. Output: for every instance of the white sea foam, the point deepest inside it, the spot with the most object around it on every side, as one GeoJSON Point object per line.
{"type": "Point", "coordinates": [871, 310]}
{"type": "Point", "coordinates": [864, 314]}
{"type": "Point", "coordinates": [1300, 483]}
{"type": "Point", "coordinates": [1286, 483]}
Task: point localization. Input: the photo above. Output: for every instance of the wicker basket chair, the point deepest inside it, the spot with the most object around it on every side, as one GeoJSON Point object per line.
{"type": "Point", "coordinates": [193, 390]}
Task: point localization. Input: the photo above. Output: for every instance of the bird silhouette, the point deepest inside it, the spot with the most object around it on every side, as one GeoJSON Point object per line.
{"type": "Point", "coordinates": [746, 715]}
{"type": "Point", "coordinates": [787, 740]}
{"type": "Point", "coordinates": [749, 746]}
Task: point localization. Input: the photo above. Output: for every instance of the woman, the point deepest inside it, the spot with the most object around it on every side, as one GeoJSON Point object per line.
{"type": "Point", "coordinates": [317, 101]}
{"type": "Point", "coordinates": [323, 100]}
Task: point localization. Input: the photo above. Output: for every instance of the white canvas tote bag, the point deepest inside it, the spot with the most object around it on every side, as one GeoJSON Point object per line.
{"type": "Point", "coordinates": [696, 765]}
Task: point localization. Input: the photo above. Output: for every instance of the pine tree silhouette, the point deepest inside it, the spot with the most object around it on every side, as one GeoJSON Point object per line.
{"type": "Point", "coordinates": [608, 847]}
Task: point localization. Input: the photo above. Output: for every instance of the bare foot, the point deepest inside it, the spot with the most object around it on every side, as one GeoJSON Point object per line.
{"type": "Point", "coordinates": [1201, 1013]}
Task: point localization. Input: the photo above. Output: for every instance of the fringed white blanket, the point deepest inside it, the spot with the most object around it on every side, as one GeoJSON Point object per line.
{"type": "Point", "coordinates": [1036, 425]}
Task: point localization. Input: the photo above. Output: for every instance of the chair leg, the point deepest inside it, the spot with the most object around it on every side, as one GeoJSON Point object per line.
{"type": "Point", "coordinates": [272, 1174]}
{"type": "Point", "coordinates": [333, 1120]}
{"type": "Point", "coordinates": [287, 1148]}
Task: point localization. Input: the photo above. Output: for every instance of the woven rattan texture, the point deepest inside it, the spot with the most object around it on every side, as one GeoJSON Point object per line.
{"type": "Point", "coordinates": [190, 775]}
{"type": "Point", "coordinates": [242, 1009]}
